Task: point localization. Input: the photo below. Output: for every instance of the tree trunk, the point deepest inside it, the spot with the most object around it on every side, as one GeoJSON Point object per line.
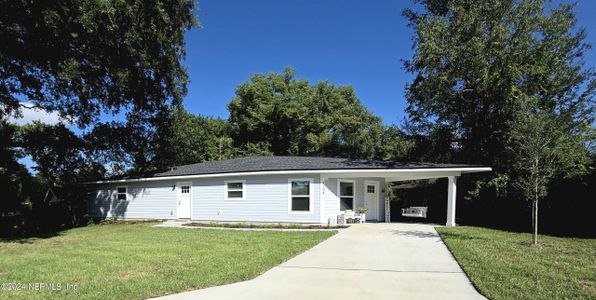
{"type": "Point", "coordinates": [532, 213]}
{"type": "Point", "coordinates": [535, 225]}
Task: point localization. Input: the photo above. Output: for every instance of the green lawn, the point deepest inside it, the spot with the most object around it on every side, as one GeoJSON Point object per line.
{"type": "Point", "coordinates": [503, 265]}
{"type": "Point", "coordinates": [134, 261]}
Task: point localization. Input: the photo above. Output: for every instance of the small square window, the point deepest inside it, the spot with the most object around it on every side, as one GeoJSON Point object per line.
{"type": "Point", "coordinates": [234, 185]}
{"type": "Point", "coordinates": [121, 193]}
{"type": "Point", "coordinates": [300, 188]}
{"type": "Point", "coordinates": [300, 203]}
{"type": "Point", "coordinates": [346, 203]}
{"type": "Point", "coordinates": [370, 189]}
{"type": "Point", "coordinates": [235, 190]}
{"type": "Point", "coordinates": [234, 194]}
{"type": "Point", "coordinates": [185, 189]}
{"type": "Point", "coordinates": [346, 189]}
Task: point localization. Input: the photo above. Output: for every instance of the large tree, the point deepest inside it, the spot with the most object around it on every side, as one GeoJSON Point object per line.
{"type": "Point", "coordinates": [82, 58]}
{"type": "Point", "coordinates": [474, 59]}
{"type": "Point", "coordinates": [476, 62]}
{"type": "Point", "coordinates": [295, 117]}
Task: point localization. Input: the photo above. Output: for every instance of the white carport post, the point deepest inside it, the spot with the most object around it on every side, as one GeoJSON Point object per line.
{"type": "Point", "coordinates": [451, 191]}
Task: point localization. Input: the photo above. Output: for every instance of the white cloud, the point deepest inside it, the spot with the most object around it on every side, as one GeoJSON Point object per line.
{"type": "Point", "coordinates": [36, 114]}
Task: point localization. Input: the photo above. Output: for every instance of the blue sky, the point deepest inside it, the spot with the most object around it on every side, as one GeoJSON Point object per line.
{"type": "Point", "coordinates": [359, 43]}
{"type": "Point", "coordinates": [348, 42]}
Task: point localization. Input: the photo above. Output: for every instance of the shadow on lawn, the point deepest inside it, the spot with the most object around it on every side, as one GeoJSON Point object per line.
{"type": "Point", "coordinates": [30, 238]}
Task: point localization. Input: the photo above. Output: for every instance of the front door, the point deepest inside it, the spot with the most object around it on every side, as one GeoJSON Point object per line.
{"type": "Point", "coordinates": [371, 198]}
{"type": "Point", "coordinates": [183, 198]}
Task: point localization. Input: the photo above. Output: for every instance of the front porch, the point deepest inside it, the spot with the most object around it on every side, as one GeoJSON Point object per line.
{"type": "Point", "coordinates": [350, 191]}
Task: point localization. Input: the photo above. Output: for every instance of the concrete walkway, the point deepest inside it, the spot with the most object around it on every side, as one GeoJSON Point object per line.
{"type": "Point", "coordinates": [366, 261]}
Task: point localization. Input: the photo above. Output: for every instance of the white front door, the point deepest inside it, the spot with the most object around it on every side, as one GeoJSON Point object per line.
{"type": "Point", "coordinates": [183, 198]}
{"type": "Point", "coordinates": [371, 199]}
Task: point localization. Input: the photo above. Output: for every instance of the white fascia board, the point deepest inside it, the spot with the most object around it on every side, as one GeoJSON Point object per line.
{"type": "Point", "coordinates": [292, 172]}
{"type": "Point", "coordinates": [476, 170]}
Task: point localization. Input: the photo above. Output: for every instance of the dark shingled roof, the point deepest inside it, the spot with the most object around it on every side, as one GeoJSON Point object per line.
{"type": "Point", "coordinates": [284, 163]}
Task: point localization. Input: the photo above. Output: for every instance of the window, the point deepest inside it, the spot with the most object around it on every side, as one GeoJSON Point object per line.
{"type": "Point", "coordinates": [300, 195]}
{"type": "Point", "coordinates": [346, 195]}
{"type": "Point", "coordinates": [121, 193]}
{"type": "Point", "coordinates": [185, 189]}
{"type": "Point", "coordinates": [235, 190]}
{"type": "Point", "coordinates": [370, 189]}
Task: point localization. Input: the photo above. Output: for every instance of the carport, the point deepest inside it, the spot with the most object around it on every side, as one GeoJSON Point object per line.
{"type": "Point", "coordinates": [407, 173]}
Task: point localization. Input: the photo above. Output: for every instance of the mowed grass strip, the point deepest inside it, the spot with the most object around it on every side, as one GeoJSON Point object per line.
{"type": "Point", "coordinates": [135, 261]}
{"type": "Point", "coordinates": [504, 265]}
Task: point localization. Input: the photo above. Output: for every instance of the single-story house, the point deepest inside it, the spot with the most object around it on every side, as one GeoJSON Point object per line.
{"type": "Point", "coordinates": [288, 189]}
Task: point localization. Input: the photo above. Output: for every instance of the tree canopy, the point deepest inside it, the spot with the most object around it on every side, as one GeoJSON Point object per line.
{"type": "Point", "coordinates": [295, 117]}
{"type": "Point", "coordinates": [475, 63]}
{"type": "Point", "coordinates": [83, 58]}
{"type": "Point", "coordinates": [196, 138]}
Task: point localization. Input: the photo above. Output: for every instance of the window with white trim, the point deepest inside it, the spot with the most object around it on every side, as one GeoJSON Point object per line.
{"type": "Point", "coordinates": [370, 188]}
{"type": "Point", "coordinates": [235, 190]}
{"type": "Point", "coordinates": [121, 193]}
{"type": "Point", "coordinates": [346, 195]}
{"type": "Point", "coordinates": [300, 195]}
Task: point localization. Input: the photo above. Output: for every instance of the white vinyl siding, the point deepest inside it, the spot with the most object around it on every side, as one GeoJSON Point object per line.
{"type": "Point", "coordinates": [330, 200]}
{"type": "Point", "coordinates": [148, 200]}
{"type": "Point", "coordinates": [265, 200]}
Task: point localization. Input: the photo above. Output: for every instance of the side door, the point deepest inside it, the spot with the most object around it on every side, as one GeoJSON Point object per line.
{"type": "Point", "coordinates": [183, 197]}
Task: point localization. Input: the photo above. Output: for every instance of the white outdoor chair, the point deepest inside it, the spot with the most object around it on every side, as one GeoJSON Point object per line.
{"type": "Point", "coordinates": [350, 216]}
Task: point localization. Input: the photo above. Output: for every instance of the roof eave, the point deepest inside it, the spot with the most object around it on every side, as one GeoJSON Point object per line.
{"type": "Point", "coordinates": [461, 170]}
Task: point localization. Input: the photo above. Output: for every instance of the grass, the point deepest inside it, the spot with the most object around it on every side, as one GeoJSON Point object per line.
{"type": "Point", "coordinates": [265, 226]}
{"type": "Point", "coordinates": [504, 265]}
{"type": "Point", "coordinates": [135, 261]}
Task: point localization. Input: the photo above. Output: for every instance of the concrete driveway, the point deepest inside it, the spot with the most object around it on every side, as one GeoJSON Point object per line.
{"type": "Point", "coordinates": [366, 261]}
